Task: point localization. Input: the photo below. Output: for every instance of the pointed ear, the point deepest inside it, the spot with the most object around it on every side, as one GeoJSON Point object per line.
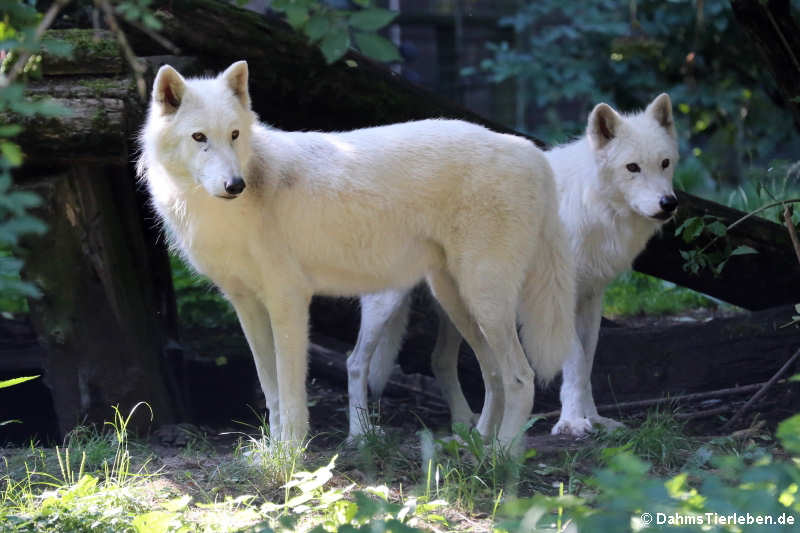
{"type": "Point", "coordinates": [236, 76]}
{"type": "Point", "coordinates": [603, 125]}
{"type": "Point", "coordinates": [168, 89]}
{"type": "Point", "coordinates": [661, 110]}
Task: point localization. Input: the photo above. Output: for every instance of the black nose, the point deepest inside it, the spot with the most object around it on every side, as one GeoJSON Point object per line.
{"type": "Point", "coordinates": [668, 203]}
{"type": "Point", "coordinates": [235, 185]}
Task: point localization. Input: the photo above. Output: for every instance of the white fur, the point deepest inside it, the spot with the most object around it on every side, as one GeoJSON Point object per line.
{"type": "Point", "coordinates": [349, 213]}
{"type": "Point", "coordinates": [608, 212]}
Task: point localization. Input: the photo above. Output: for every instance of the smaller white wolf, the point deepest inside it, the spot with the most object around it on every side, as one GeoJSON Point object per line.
{"type": "Point", "coordinates": [614, 191]}
{"type": "Point", "coordinates": [274, 217]}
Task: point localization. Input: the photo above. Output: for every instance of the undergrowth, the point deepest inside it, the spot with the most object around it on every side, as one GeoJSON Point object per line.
{"type": "Point", "coordinates": [101, 481]}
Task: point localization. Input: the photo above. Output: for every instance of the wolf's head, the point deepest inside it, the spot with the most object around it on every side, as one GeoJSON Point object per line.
{"type": "Point", "coordinates": [199, 129]}
{"type": "Point", "coordinates": [636, 156]}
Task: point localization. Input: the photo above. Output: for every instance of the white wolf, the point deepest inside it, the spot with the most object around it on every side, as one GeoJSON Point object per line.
{"type": "Point", "coordinates": [273, 217]}
{"type": "Point", "coordinates": [614, 191]}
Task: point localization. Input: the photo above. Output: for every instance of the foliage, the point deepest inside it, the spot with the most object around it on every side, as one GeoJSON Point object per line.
{"type": "Point", "coordinates": [624, 496]}
{"type": "Point", "coordinates": [768, 197]}
{"type": "Point", "coordinates": [469, 472]}
{"type": "Point", "coordinates": [633, 293]}
{"type": "Point", "coordinates": [21, 44]}
{"type": "Point", "coordinates": [10, 383]}
{"type": "Point", "coordinates": [199, 302]}
{"type": "Point", "coordinates": [692, 50]}
{"type": "Point", "coordinates": [336, 30]}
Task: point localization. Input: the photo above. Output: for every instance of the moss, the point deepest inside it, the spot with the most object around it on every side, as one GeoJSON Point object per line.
{"type": "Point", "coordinates": [100, 120]}
{"type": "Point", "coordinates": [86, 44]}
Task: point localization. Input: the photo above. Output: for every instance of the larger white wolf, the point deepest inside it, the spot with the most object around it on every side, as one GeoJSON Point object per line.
{"type": "Point", "coordinates": [273, 217]}
{"type": "Point", "coordinates": [614, 191]}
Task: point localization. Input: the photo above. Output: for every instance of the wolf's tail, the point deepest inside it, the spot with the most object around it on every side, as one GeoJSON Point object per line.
{"type": "Point", "coordinates": [547, 304]}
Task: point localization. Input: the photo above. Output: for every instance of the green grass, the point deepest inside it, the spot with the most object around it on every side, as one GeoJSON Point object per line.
{"type": "Point", "coordinates": [102, 481]}
{"type": "Point", "coordinates": [633, 294]}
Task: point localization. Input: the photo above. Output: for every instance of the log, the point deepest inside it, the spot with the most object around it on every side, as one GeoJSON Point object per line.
{"type": "Point", "coordinates": [290, 84]}
{"type": "Point", "coordinates": [107, 317]}
{"type": "Point", "coordinates": [93, 52]}
{"type": "Point", "coordinates": [99, 106]}
{"type": "Point", "coordinates": [672, 360]}
{"type": "Point", "coordinates": [104, 319]}
{"type": "Point", "coordinates": [758, 281]}
{"type": "Point", "coordinates": [665, 360]}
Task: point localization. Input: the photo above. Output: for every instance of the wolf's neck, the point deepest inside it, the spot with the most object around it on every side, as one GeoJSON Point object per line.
{"type": "Point", "coordinates": [606, 235]}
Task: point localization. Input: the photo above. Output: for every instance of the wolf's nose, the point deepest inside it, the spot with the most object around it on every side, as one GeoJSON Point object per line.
{"type": "Point", "coordinates": [668, 203]}
{"type": "Point", "coordinates": [235, 185]}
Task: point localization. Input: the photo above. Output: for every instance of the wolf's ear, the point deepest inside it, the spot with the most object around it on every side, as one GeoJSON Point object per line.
{"type": "Point", "coordinates": [168, 89]}
{"type": "Point", "coordinates": [236, 76]}
{"type": "Point", "coordinates": [603, 125]}
{"type": "Point", "coordinates": [661, 110]}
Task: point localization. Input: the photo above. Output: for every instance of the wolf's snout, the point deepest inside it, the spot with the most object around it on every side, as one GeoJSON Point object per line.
{"type": "Point", "coordinates": [668, 203]}
{"type": "Point", "coordinates": [234, 186]}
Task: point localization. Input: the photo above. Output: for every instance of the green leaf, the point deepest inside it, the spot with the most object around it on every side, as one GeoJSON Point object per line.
{"type": "Point", "coordinates": [335, 45]}
{"type": "Point", "coordinates": [691, 229]}
{"type": "Point", "coordinates": [377, 47]}
{"type": "Point", "coordinates": [789, 434]}
{"type": "Point", "coordinates": [12, 152]}
{"type": "Point", "coordinates": [317, 27]}
{"type": "Point", "coordinates": [9, 130]}
{"type": "Point", "coordinates": [16, 381]}
{"type": "Point", "coordinates": [717, 228]}
{"type": "Point", "coordinates": [744, 250]}
{"type": "Point", "coordinates": [371, 19]}
{"type": "Point", "coordinates": [155, 522]}
{"type": "Point", "coordinates": [296, 16]}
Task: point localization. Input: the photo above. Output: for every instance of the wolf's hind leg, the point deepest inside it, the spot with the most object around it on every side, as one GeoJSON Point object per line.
{"type": "Point", "coordinates": [444, 363]}
{"type": "Point", "coordinates": [383, 318]}
{"type": "Point", "coordinates": [446, 292]}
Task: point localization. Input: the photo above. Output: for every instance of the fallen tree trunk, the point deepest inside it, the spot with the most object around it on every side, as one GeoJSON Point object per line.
{"type": "Point", "coordinates": [754, 281]}
{"type": "Point", "coordinates": [674, 359]}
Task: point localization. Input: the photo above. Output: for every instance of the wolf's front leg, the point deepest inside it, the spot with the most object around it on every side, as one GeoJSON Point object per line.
{"type": "Point", "coordinates": [288, 314]}
{"type": "Point", "coordinates": [576, 386]}
{"type": "Point", "coordinates": [255, 323]}
{"type": "Point", "coordinates": [589, 317]}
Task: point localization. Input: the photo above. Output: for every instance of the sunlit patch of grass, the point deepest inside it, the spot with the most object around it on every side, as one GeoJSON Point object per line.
{"type": "Point", "coordinates": [660, 439]}
{"type": "Point", "coordinates": [633, 293]}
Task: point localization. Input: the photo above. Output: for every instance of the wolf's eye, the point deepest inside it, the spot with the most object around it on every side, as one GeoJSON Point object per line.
{"type": "Point", "coordinates": [234, 134]}
{"type": "Point", "coordinates": [199, 137]}
{"type": "Point", "coordinates": [665, 163]}
{"type": "Point", "coordinates": [633, 167]}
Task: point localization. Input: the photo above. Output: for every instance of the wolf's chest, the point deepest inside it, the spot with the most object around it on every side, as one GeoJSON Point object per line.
{"type": "Point", "coordinates": [217, 246]}
{"type": "Point", "coordinates": [606, 251]}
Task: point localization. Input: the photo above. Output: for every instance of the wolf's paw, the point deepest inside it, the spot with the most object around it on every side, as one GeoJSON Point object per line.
{"type": "Point", "coordinates": [576, 427]}
{"type": "Point", "coordinates": [608, 423]}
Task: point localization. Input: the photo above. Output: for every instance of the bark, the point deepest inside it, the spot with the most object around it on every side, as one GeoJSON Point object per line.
{"type": "Point", "coordinates": [104, 317]}
{"type": "Point", "coordinates": [108, 310]}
